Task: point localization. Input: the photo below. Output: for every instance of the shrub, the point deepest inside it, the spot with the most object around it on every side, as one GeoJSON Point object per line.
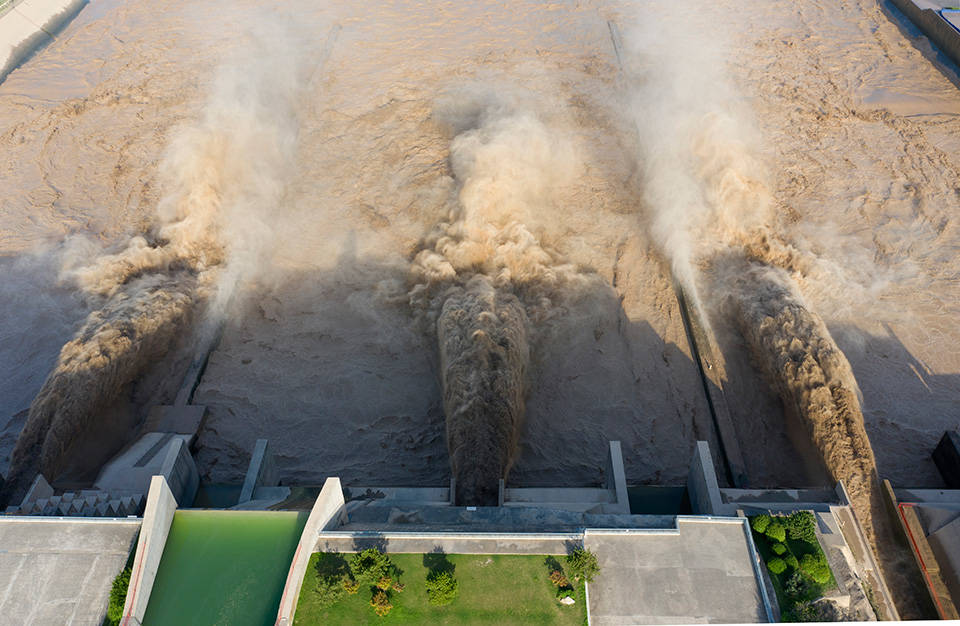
{"type": "Point", "coordinates": [815, 567]}
{"type": "Point", "coordinates": [385, 583]}
{"type": "Point", "coordinates": [779, 549]}
{"type": "Point", "coordinates": [760, 523]}
{"type": "Point", "coordinates": [330, 590]}
{"type": "Point", "coordinates": [369, 566]}
{"type": "Point", "coordinates": [802, 526]}
{"type": "Point", "coordinates": [118, 596]}
{"type": "Point", "coordinates": [381, 603]}
{"type": "Point", "coordinates": [796, 585]}
{"type": "Point", "coordinates": [583, 564]}
{"type": "Point", "coordinates": [350, 586]}
{"type": "Point", "coordinates": [776, 565]}
{"type": "Point", "coordinates": [559, 579]}
{"type": "Point", "coordinates": [333, 578]}
{"type": "Point", "coordinates": [442, 588]}
{"type": "Point", "coordinates": [791, 561]}
{"type": "Point", "coordinates": [776, 532]}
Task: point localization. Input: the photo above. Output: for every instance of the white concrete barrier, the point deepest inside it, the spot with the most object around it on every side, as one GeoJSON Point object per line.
{"type": "Point", "coordinates": [328, 507]}
{"type": "Point", "coordinates": [29, 24]}
{"type": "Point", "coordinates": [157, 518]}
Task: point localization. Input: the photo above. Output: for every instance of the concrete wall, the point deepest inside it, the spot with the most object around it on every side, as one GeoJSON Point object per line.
{"type": "Point", "coordinates": [260, 473]}
{"type": "Point", "coordinates": [181, 473]}
{"type": "Point", "coordinates": [451, 542]}
{"type": "Point", "coordinates": [617, 481]}
{"type": "Point", "coordinates": [29, 24]}
{"type": "Point", "coordinates": [157, 518]}
{"type": "Point", "coordinates": [702, 483]}
{"type": "Point", "coordinates": [933, 26]}
{"type": "Point", "coordinates": [327, 511]}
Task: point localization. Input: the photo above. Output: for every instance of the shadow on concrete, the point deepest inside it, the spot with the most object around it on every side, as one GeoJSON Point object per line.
{"type": "Point", "coordinates": [436, 562]}
{"type": "Point", "coordinates": [369, 540]}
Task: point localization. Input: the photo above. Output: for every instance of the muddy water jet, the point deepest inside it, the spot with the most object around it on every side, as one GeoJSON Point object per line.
{"type": "Point", "coordinates": [220, 176]}
{"type": "Point", "coordinates": [484, 356]}
{"type": "Point", "coordinates": [483, 279]}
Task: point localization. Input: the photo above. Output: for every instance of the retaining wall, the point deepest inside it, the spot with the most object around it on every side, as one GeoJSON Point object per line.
{"type": "Point", "coordinates": [29, 24]}
{"type": "Point", "coordinates": [933, 26]}
{"type": "Point", "coordinates": [157, 518]}
{"type": "Point", "coordinates": [327, 511]}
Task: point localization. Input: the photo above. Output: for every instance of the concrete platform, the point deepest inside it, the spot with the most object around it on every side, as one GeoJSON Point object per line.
{"type": "Point", "coordinates": [702, 572]}
{"type": "Point", "coordinates": [131, 471]}
{"type": "Point", "coordinates": [59, 571]}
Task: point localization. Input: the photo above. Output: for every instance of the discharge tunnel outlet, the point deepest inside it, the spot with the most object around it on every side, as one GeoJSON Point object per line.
{"type": "Point", "coordinates": [484, 354]}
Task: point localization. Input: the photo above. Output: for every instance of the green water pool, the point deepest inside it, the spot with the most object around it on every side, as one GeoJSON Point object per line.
{"type": "Point", "coordinates": [224, 567]}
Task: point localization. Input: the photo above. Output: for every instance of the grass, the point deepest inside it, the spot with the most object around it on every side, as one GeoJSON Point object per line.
{"type": "Point", "coordinates": [494, 589]}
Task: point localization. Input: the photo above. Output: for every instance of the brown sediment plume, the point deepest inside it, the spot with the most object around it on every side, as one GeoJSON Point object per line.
{"type": "Point", "coordinates": [481, 282]}
{"type": "Point", "coordinates": [219, 176]}
{"type": "Point", "coordinates": [484, 355]}
{"type": "Point", "coordinates": [793, 347]}
{"type": "Point", "coordinates": [116, 345]}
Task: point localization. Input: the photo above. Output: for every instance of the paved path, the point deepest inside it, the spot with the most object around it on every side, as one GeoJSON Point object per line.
{"type": "Point", "coordinates": [59, 571]}
{"type": "Point", "coordinates": [701, 573]}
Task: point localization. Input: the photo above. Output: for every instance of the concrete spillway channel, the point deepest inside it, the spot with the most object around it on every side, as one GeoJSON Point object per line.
{"type": "Point", "coordinates": [704, 351]}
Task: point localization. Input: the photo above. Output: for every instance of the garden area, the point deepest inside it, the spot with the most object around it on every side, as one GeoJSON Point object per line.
{"type": "Point", "coordinates": [796, 562]}
{"type": "Point", "coordinates": [371, 587]}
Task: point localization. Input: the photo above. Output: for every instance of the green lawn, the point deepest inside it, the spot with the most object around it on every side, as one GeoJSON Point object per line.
{"type": "Point", "coordinates": [494, 589]}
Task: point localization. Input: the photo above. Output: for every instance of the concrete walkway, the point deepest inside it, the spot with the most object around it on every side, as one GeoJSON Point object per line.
{"type": "Point", "coordinates": [59, 571]}
{"type": "Point", "coordinates": [700, 573]}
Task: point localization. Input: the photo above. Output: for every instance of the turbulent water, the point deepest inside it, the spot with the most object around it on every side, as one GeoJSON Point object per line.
{"type": "Point", "coordinates": [479, 275]}
{"type": "Point", "coordinates": [520, 148]}
{"type": "Point", "coordinates": [217, 175]}
{"type": "Point", "coordinates": [484, 357]}
{"type": "Point", "coordinates": [793, 347]}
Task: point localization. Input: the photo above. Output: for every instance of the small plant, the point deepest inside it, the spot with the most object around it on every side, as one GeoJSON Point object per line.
{"type": "Point", "coordinates": [779, 549]}
{"type": "Point", "coordinates": [558, 578]}
{"type": "Point", "coordinates": [777, 565]}
{"type": "Point", "coordinates": [583, 564]}
{"type": "Point", "coordinates": [816, 568]}
{"type": "Point", "coordinates": [442, 588]}
{"type": "Point", "coordinates": [776, 532]}
{"type": "Point", "coordinates": [369, 566]}
{"type": "Point", "coordinates": [398, 586]}
{"type": "Point", "coordinates": [350, 586]}
{"type": "Point", "coordinates": [760, 523]}
{"type": "Point", "coordinates": [118, 596]}
{"type": "Point", "coordinates": [381, 603]}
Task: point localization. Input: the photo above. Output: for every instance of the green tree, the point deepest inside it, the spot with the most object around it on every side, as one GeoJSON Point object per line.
{"type": "Point", "coordinates": [760, 522]}
{"type": "Point", "coordinates": [442, 588]}
{"type": "Point", "coordinates": [369, 566]}
{"type": "Point", "coordinates": [776, 532]}
{"type": "Point", "coordinates": [582, 563]}
{"type": "Point", "coordinates": [815, 567]}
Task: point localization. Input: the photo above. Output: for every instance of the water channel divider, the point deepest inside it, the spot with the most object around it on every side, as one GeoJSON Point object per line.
{"type": "Point", "coordinates": [157, 518]}
{"type": "Point", "coordinates": [328, 508]}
